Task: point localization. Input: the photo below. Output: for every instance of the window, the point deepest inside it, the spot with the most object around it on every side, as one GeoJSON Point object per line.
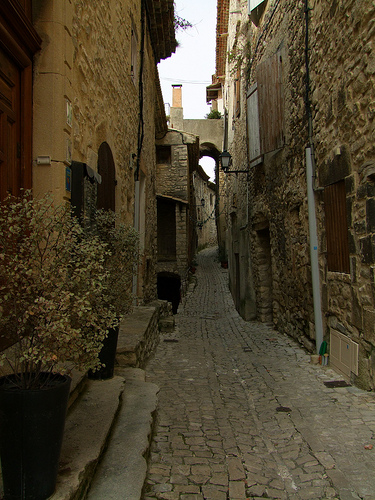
{"type": "Point", "coordinates": [336, 228]}
{"type": "Point", "coordinates": [256, 10]}
{"type": "Point", "coordinates": [163, 154]}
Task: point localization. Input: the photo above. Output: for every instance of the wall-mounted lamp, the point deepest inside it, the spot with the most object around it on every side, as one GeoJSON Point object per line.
{"type": "Point", "coordinates": [225, 159]}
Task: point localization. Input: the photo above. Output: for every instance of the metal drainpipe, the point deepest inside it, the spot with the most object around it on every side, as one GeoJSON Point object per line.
{"type": "Point", "coordinates": [310, 179]}
{"type": "Point", "coordinates": [140, 141]}
{"type": "Point", "coordinates": [314, 251]}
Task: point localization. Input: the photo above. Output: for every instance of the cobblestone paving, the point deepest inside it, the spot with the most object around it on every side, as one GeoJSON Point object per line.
{"type": "Point", "coordinates": [243, 414]}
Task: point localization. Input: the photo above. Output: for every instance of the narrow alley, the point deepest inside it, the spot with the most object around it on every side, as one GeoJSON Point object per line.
{"type": "Point", "coordinates": [244, 414]}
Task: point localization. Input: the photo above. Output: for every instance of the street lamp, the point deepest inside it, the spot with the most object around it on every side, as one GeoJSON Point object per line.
{"type": "Point", "coordinates": [225, 159]}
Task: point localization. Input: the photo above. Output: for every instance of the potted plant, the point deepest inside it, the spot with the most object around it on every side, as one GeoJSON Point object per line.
{"type": "Point", "coordinates": [120, 262]}
{"type": "Point", "coordinates": [52, 281]}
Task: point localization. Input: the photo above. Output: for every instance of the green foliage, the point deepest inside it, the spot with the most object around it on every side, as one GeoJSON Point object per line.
{"type": "Point", "coordinates": [180, 23]}
{"type": "Point", "coordinates": [214, 114]}
{"type": "Point", "coordinates": [54, 308]}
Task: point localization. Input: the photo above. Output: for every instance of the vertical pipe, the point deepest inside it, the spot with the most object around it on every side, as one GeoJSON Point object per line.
{"type": "Point", "coordinates": [137, 227]}
{"type": "Point", "coordinates": [314, 251]}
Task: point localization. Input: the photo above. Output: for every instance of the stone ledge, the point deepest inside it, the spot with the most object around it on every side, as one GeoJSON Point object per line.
{"type": "Point", "coordinates": [87, 430]}
{"type": "Point", "coordinates": [139, 333]}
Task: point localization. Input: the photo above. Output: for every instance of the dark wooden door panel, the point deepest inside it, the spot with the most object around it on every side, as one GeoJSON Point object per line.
{"type": "Point", "coordinates": [10, 139]}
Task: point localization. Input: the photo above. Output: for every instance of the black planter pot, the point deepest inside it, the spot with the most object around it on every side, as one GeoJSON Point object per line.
{"type": "Point", "coordinates": [31, 432]}
{"type": "Point", "coordinates": [107, 356]}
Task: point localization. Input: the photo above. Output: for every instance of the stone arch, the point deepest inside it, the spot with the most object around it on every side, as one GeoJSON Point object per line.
{"type": "Point", "coordinates": [209, 149]}
{"type": "Point", "coordinates": [106, 168]}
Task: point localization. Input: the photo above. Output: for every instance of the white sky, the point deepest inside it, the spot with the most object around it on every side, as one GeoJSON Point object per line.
{"type": "Point", "coordinates": [193, 63]}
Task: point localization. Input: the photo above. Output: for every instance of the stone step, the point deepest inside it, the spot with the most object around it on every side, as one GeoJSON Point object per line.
{"type": "Point", "coordinates": [87, 430]}
{"type": "Point", "coordinates": [122, 471]}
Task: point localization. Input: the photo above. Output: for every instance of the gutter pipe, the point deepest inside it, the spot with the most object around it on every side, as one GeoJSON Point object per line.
{"type": "Point", "coordinates": [313, 233]}
{"type": "Point", "coordinates": [310, 180]}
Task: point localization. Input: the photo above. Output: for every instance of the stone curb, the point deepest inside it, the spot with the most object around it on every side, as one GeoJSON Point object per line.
{"type": "Point", "coordinates": [86, 433]}
{"type": "Point", "coordinates": [122, 471]}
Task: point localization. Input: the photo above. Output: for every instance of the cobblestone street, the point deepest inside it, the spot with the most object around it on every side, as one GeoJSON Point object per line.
{"type": "Point", "coordinates": [243, 414]}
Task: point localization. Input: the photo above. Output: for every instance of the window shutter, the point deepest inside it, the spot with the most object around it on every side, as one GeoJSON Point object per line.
{"type": "Point", "coordinates": [336, 228]}
{"type": "Point", "coordinates": [253, 125]}
{"type": "Point", "coordinates": [271, 104]}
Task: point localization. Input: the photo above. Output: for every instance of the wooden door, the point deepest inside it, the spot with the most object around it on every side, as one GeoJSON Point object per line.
{"type": "Point", "coordinates": [10, 127]}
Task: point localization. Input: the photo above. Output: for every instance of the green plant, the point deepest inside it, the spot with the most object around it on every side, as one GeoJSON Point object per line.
{"type": "Point", "coordinates": [54, 309]}
{"type": "Point", "coordinates": [120, 261]}
{"type": "Point", "coordinates": [214, 114]}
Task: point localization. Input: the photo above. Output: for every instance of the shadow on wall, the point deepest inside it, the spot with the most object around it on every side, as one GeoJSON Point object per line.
{"type": "Point", "coordinates": [169, 288]}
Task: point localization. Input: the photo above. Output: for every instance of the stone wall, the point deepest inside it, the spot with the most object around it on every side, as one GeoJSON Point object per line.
{"type": "Point", "coordinates": [172, 178]}
{"type": "Point", "coordinates": [343, 85]}
{"type": "Point", "coordinates": [341, 71]}
{"type": "Point", "coordinates": [86, 65]}
{"type": "Point", "coordinates": [174, 184]}
{"type": "Point", "coordinates": [204, 217]}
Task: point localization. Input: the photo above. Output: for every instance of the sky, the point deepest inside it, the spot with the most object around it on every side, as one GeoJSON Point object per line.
{"type": "Point", "coordinates": [193, 63]}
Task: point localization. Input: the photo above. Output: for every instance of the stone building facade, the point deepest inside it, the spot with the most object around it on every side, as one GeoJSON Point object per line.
{"type": "Point", "coordinates": [205, 209]}
{"type": "Point", "coordinates": [177, 158]}
{"type": "Point", "coordinates": [88, 107]}
{"type": "Point", "coordinates": [299, 94]}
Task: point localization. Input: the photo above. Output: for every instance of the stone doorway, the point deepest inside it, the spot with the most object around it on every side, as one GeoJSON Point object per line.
{"type": "Point", "coordinates": [264, 267]}
{"type": "Point", "coordinates": [169, 288]}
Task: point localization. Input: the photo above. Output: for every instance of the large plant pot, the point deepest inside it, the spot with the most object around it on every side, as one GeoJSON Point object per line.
{"type": "Point", "coordinates": [107, 357]}
{"type": "Point", "coordinates": [31, 432]}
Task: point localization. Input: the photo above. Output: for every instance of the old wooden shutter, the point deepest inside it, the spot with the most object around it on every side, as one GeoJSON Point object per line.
{"type": "Point", "coordinates": [253, 125]}
{"type": "Point", "coordinates": [336, 228]}
{"type": "Point", "coordinates": [271, 104]}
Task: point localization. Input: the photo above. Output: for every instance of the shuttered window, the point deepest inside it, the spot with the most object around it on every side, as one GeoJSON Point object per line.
{"type": "Point", "coordinates": [253, 126]}
{"type": "Point", "coordinates": [271, 104]}
{"type": "Point", "coordinates": [336, 228]}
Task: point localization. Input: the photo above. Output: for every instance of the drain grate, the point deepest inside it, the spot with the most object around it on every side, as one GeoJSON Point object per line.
{"type": "Point", "coordinates": [336, 383]}
{"type": "Point", "coordinates": [170, 340]}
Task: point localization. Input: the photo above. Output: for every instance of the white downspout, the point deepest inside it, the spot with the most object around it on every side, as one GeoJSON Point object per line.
{"type": "Point", "coordinates": [314, 251]}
